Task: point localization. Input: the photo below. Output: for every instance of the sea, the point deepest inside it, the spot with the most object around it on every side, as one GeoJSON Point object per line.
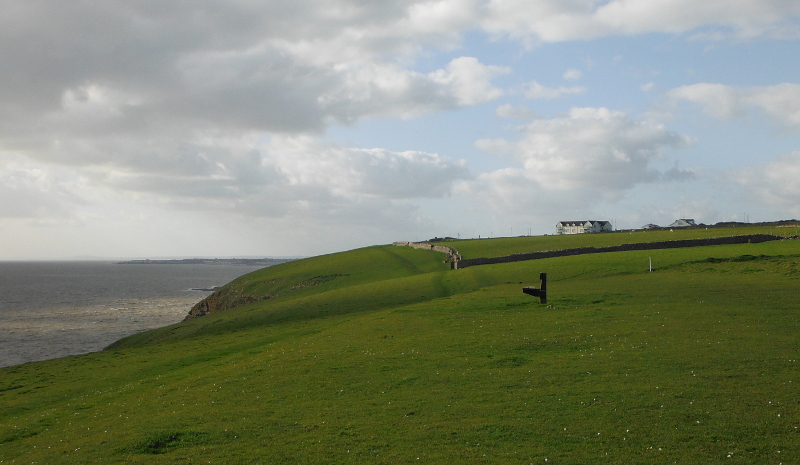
{"type": "Point", "coordinates": [55, 309]}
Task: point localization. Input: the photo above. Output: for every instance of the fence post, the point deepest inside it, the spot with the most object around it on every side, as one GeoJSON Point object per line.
{"type": "Point", "coordinates": [541, 293]}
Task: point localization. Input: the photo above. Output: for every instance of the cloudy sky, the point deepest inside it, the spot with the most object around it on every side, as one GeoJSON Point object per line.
{"type": "Point", "coordinates": [297, 127]}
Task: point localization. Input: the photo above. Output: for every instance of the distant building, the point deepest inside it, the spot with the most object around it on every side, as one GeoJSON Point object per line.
{"type": "Point", "coordinates": [683, 223]}
{"type": "Point", "coordinates": [651, 226]}
{"type": "Point", "coordinates": [582, 227]}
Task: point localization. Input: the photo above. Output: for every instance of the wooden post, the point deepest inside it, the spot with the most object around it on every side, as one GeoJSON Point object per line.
{"type": "Point", "coordinates": [540, 293]}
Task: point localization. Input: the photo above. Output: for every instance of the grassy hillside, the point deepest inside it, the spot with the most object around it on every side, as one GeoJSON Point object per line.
{"type": "Point", "coordinates": [383, 355]}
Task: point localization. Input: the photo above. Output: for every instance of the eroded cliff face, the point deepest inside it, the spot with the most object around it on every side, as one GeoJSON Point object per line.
{"type": "Point", "coordinates": [223, 299]}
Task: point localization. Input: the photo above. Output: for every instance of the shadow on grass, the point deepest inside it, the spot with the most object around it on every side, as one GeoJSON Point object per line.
{"type": "Point", "coordinates": [162, 442]}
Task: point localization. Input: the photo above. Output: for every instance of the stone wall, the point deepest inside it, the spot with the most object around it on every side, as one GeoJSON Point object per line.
{"type": "Point", "coordinates": [755, 238]}
{"type": "Point", "coordinates": [451, 254]}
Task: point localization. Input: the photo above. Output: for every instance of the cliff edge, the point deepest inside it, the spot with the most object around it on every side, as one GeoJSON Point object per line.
{"type": "Point", "coordinates": [223, 299]}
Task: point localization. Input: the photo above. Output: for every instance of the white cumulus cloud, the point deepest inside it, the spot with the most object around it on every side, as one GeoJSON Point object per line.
{"type": "Point", "coordinates": [775, 182]}
{"type": "Point", "coordinates": [355, 172]}
{"type": "Point", "coordinates": [514, 112]}
{"type": "Point", "coordinates": [572, 74]}
{"type": "Point", "coordinates": [589, 154]}
{"type": "Point", "coordinates": [534, 90]}
{"type": "Point", "coordinates": [470, 80]}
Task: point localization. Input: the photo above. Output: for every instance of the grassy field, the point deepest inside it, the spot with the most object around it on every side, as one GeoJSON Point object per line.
{"type": "Point", "coordinates": [384, 355]}
{"type": "Point", "coordinates": [474, 248]}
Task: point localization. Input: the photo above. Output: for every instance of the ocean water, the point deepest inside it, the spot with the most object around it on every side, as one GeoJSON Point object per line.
{"type": "Point", "coordinates": [55, 309]}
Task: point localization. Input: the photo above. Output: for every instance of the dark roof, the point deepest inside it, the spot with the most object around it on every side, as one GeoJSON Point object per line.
{"type": "Point", "coordinates": [683, 222]}
{"type": "Point", "coordinates": [584, 221]}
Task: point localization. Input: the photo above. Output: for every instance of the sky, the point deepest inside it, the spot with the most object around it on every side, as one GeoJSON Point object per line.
{"type": "Point", "coordinates": [151, 129]}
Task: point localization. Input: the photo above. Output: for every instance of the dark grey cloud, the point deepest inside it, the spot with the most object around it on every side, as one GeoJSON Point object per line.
{"type": "Point", "coordinates": [238, 64]}
{"type": "Point", "coordinates": [173, 102]}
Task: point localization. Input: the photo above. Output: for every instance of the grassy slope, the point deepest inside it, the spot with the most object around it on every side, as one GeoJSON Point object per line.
{"type": "Point", "coordinates": [407, 360]}
{"type": "Point", "coordinates": [379, 276]}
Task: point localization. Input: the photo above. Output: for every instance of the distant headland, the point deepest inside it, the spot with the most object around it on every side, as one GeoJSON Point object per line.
{"type": "Point", "coordinates": [211, 261]}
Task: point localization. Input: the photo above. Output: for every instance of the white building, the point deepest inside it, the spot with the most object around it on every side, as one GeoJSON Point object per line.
{"type": "Point", "coordinates": [582, 227]}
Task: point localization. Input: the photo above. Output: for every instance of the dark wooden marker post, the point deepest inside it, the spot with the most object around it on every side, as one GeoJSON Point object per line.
{"type": "Point", "coordinates": [540, 293]}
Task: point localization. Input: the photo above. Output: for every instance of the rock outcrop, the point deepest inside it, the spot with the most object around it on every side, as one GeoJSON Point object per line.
{"type": "Point", "coordinates": [232, 296]}
{"type": "Point", "coordinates": [223, 299]}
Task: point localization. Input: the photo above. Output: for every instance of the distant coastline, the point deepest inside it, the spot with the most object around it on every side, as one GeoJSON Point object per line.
{"type": "Point", "coordinates": [212, 261]}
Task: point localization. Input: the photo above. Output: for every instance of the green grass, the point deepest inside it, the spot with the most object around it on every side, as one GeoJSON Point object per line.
{"type": "Point", "coordinates": [399, 360]}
